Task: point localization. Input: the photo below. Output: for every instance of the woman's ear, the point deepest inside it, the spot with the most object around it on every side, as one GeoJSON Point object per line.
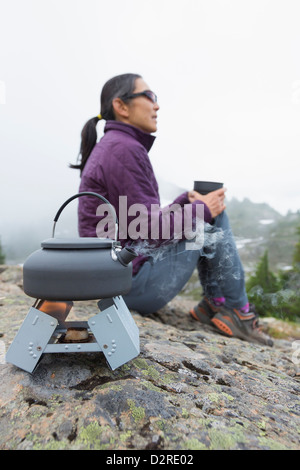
{"type": "Point", "coordinates": [120, 109]}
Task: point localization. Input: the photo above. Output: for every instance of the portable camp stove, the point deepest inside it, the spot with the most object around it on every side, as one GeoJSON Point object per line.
{"type": "Point", "coordinates": [77, 269]}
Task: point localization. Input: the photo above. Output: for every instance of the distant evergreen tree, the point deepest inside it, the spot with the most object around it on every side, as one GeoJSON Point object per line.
{"type": "Point", "coordinates": [276, 295]}
{"type": "Point", "coordinates": [290, 281]}
{"type": "Point", "coordinates": [296, 257]}
{"type": "Point", "coordinates": [2, 256]}
{"type": "Point", "coordinates": [263, 278]}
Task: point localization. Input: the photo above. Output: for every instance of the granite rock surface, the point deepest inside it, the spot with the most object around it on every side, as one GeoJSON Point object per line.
{"type": "Point", "coordinates": [189, 389]}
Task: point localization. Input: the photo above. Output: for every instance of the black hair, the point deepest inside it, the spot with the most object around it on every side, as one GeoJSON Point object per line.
{"type": "Point", "coordinates": [119, 86]}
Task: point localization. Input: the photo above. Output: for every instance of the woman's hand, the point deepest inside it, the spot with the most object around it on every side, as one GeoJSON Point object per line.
{"type": "Point", "coordinates": [213, 200]}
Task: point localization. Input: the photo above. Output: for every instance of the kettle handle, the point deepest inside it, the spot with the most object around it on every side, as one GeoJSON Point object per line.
{"type": "Point", "coordinates": [87, 193]}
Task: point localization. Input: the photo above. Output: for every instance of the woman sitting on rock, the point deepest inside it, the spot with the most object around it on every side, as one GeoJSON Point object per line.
{"type": "Point", "coordinates": [118, 166]}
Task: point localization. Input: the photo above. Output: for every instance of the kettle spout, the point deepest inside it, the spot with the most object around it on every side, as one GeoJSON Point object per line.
{"type": "Point", "coordinates": [126, 255]}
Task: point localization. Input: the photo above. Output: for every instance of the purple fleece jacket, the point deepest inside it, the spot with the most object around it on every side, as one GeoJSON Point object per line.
{"type": "Point", "coordinates": [119, 165]}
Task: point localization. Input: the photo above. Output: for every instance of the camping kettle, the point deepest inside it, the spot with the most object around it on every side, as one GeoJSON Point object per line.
{"type": "Point", "coordinates": [79, 268]}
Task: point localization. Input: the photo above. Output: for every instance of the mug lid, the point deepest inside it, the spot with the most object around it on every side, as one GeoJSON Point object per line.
{"type": "Point", "coordinates": [77, 243]}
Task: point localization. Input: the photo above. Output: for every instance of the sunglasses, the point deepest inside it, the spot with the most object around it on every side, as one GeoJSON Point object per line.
{"type": "Point", "coordinates": [148, 93]}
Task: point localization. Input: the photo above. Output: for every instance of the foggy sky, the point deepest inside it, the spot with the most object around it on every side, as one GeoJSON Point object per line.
{"type": "Point", "coordinates": [227, 76]}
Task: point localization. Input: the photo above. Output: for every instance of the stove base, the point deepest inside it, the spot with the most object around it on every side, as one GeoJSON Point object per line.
{"type": "Point", "coordinates": [112, 331]}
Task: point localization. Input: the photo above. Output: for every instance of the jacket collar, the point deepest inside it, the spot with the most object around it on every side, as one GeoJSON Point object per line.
{"type": "Point", "coordinates": [144, 138]}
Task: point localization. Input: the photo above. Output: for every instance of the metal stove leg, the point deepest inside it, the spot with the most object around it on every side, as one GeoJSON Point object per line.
{"type": "Point", "coordinates": [31, 340]}
{"type": "Point", "coordinates": [115, 331]}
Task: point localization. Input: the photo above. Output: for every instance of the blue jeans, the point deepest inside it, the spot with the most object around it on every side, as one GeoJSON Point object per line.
{"type": "Point", "coordinates": [218, 263]}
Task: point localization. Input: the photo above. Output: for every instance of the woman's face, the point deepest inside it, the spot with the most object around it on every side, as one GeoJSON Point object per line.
{"type": "Point", "coordinates": [142, 112]}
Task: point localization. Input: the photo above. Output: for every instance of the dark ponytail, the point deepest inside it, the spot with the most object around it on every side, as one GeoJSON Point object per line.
{"type": "Point", "coordinates": [88, 142]}
{"type": "Point", "coordinates": [118, 86]}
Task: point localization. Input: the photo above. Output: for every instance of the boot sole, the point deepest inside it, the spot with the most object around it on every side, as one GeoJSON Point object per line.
{"type": "Point", "coordinates": [227, 327]}
{"type": "Point", "coordinates": [200, 317]}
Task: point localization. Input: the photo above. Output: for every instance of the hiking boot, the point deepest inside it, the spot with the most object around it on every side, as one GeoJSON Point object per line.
{"type": "Point", "coordinates": [205, 311]}
{"type": "Point", "coordinates": [231, 322]}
